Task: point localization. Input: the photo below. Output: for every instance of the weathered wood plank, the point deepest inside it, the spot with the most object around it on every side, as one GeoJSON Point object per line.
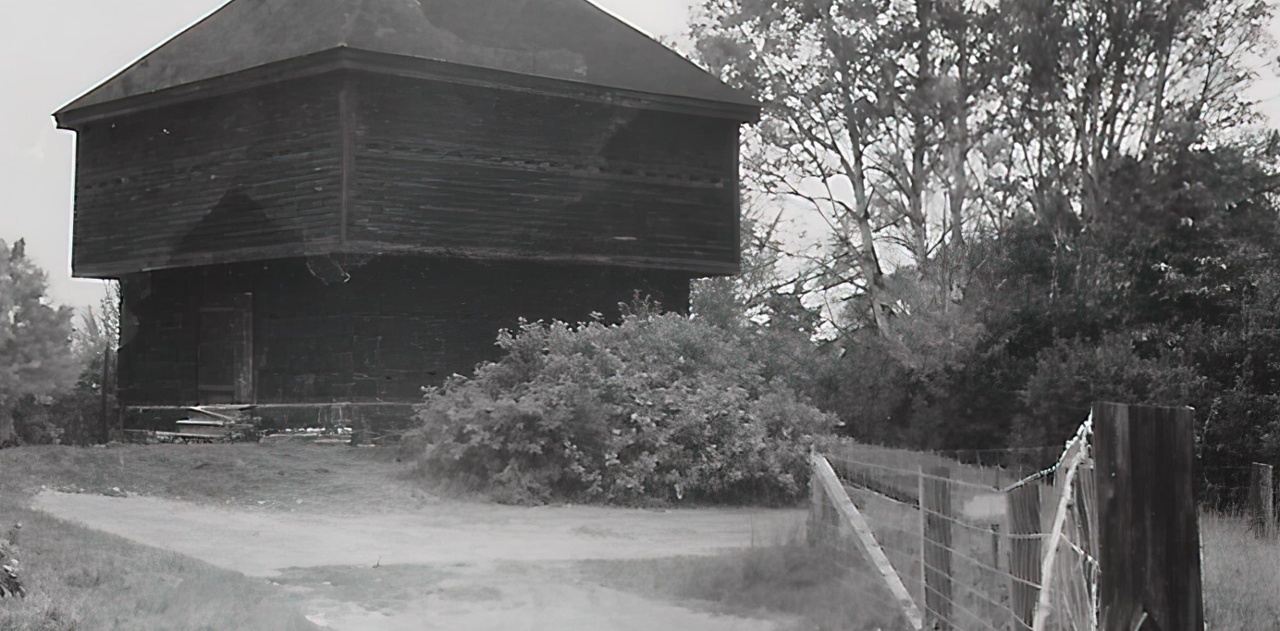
{"type": "Point", "coordinates": [1149, 542]}
{"type": "Point", "coordinates": [937, 515]}
{"type": "Point", "coordinates": [1262, 501]}
{"type": "Point", "coordinates": [866, 539]}
{"type": "Point", "coordinates": [152, 189]}
{"type": "Point", "coordinates": [538, 176]}
{"type": "Point", "coordinates": [1024, 553]}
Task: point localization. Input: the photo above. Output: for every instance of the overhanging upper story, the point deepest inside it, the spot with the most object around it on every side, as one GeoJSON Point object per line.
{"type": "Point", "coordinates": [483, 129]}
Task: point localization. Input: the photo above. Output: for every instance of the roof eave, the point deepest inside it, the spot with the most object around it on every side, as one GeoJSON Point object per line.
{"type": "Point", "coordinates": [743, 110]}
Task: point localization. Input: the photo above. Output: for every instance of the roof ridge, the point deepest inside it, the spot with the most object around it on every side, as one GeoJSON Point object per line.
{"type": "Point", "coordinates": [575, 41]}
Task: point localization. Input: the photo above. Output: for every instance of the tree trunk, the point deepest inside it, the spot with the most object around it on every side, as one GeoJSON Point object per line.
{"type": "Point", "coordinates": [920, 120]}
{"type": "Point", "coordinates": [871, 271]}
{"type": "Point", "coordinates": [959, 178]}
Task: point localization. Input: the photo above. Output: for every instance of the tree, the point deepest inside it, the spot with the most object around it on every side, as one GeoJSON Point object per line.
{"type": "Point", "coordinates": [1036, 202]}
{"type": "Point", "coordinates": [873, 109]}
{"type": "Point", "coordinates": [35, 354]}
{"type": "Point", "coordinates": [1097, 81]}
{"type": "Point", "coordinates": [824, 70]}
{"type": "Point", "coordinates": [98, 330]}
{"type": "Point", "coordinates": [732, 300]}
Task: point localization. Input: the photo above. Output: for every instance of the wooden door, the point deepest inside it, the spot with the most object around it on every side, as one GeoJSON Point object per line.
{"type": "Point", "coordinates": [225, 368]}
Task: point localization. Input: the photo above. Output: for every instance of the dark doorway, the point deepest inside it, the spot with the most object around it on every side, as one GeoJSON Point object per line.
{"type": "Point", "coordinates": [226, 351]}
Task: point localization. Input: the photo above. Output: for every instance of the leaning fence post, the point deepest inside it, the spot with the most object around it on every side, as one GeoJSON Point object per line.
{"type": "Point", "coordinates": [1149, 538]}
{"type": "Point", "coordinates": [1262, 501]}
{"type": "Point", "coordinates": [936, 511]}
{"type": "Point", "coordinates": [1024, 553]}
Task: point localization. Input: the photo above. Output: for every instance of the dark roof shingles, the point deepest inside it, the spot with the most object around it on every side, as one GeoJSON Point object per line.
{"type": "Point", "coordinates": [571, 40]}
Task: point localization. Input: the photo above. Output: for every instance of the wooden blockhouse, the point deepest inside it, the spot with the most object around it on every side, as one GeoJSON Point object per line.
{"type": "Point", "coordinates": [312, 203]}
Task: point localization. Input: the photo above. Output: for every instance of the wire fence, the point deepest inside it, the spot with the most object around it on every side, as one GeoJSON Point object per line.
{"type": "Point", "coordinates": [1224, 488]}
{"type": "Point", "coordinates": [979, 541]}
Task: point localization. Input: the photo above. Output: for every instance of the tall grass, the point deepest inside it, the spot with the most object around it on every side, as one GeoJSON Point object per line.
{"type": "Point", "coordinates": [1241, 576]}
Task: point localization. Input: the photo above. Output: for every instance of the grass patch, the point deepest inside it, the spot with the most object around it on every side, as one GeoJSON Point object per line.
{"type": "Point", "coordinates": [79, 579]}
{"type": "Point", "coordinates": [1241, 576]}
{"type": "Point", "coordinates": [283, 474]}
{"type": "Point", "coordinates": [791, 580]}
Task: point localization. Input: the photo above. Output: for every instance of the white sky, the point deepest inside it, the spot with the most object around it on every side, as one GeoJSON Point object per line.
{"type": "Point", "coordinates": [54, 50]}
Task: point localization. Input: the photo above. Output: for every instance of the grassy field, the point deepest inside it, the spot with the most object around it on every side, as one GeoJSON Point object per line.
{"type": "Point", "coordinates": [84, 580]}
{"type": "Point", "coordinates": [79, 579]}
{"type": "Point", "coordinates": [280, 474]}
{"type": "Point", "coordinates": [1241, 576]}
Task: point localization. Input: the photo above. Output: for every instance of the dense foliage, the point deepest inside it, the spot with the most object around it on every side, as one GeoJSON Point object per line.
{"type": "Point", "coordinates": [35, 357]}
{"type": "Point", "coordinates": [658, 407]}
{"type": "Point", "coordinates": [1169, 298]}
{"type": "Point", "coordinates": [51, 372]}
{"type": "Point", "coordinates": [1030, 206]}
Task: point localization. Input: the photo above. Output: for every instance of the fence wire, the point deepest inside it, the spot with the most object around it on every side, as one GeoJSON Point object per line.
{"type": "Point", "coordinates": [1008, 545]}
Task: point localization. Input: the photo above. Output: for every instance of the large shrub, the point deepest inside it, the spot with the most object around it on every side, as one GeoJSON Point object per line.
{"type": "Point", "coordinates": [658, 407]}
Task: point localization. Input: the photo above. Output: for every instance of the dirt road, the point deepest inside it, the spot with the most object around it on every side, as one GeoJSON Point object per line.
{"type": "Point", "coordinates": [454, 565]}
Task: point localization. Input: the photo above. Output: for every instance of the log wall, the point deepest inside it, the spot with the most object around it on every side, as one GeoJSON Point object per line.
{"type": "Point", "coordinates": [247, 176]}
{"type": "Point", "coordinates": [498, 173]}
{"type": "Point", "coordinates": [396, 324]}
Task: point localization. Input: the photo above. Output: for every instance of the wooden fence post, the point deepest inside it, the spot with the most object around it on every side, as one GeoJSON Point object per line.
{"type": "Point", "coordinates": [821, 524]}
{"type": "Point", "coordinates": [935, 504]}
{"type": "Point", "coordinates": [995, 546]}
{"type": "Point", "coordinates": [1262, 501]}
{"type": "Point", "coordinates": [1024, 553]}
{"type": "Point", "coordinates": [1149, 538]}
{"type": "Point", "coordinates": [815, 503]}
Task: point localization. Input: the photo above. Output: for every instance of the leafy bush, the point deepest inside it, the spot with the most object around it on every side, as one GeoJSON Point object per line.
{"type": "Point", "coordinates": [658, 407]}
{"type": "Point", "coordinates": [1070, 376]}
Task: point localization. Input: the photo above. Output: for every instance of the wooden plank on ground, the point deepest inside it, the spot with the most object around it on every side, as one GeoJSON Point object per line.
{"type": "Point", "coordinates": [866, 540]}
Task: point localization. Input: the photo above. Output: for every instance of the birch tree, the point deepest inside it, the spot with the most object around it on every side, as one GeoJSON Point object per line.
{"type": "Point", "coordinates": [828, 75]}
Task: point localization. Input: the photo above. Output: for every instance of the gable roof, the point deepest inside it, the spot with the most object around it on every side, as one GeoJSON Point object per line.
{"type": "Point", "coordinates": [568, 40]}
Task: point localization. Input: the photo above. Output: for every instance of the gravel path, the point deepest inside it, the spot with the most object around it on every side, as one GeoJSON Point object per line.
{"type": "Point", "coordinates": [454, 565]}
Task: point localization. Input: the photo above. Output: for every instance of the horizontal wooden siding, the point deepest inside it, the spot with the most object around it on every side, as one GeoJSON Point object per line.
{"type": "Point", "coordinates": [447, 168]}
{"type": "Point", "coordinates": [243, 177]}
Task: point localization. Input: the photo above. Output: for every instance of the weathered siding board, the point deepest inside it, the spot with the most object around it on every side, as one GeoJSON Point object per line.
{"type": "Point", "coordinates": [399, 322]}
{"type": "Point", "coordinates": [371, 164]}
{"type": "Point", "coordinates": [447, 167]}
{"type": "Point", "coordinates": [219, 180]}
{"type": "Point", "coordinates": [159, 321]}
